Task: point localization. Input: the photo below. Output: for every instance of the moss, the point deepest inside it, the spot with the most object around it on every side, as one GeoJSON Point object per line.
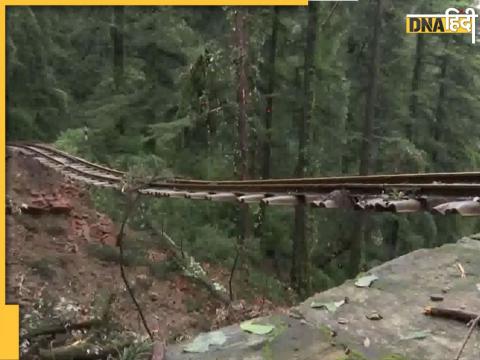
{"type": "Point", "coordinates": [267, 353]}
{"type": "Point", "coordinates": [325, 330]}
{"type": "Point", "coordinates": [279, 328]}
{"type": "Point", "coordinates": [354, 355]}
{"type": "Point", "coordinates": [394, 357]}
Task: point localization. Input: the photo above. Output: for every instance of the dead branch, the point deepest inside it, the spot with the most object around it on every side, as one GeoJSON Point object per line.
{"type": "Point", "coordinates": [131, 200]}
{"type": "Point", "coordinates": [81, 350]}
{"type": "Point", "coordinates": [193, 269]}
{"type": "Point", "coordinates": [234, 266]}
{"type": "Point", "coordinates": [454, 314]}
{"type": "Point", "coordinates": [467, 337]}
{"type": "Point", "coordinates": [67, 326]}
{"type": "Point", "coordinates": [63, 328]}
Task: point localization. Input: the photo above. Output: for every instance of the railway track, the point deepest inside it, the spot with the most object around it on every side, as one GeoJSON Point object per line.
{"type": "Point", "coordinates": [437, 192]}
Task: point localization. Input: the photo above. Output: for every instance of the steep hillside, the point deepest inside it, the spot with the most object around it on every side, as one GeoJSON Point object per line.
{"type": "Point", "coordinates": [62, 261]}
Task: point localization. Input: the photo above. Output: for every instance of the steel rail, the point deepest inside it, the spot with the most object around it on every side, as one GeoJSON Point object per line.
{"type": "Point", "coordinates": [445, 178]}
{"type": "Point", "coordinates": [72, 158]}
{"type": "Point", "coordinates": [442, 177]}
{"type": "Point", "coordinates": [70, 167]}
{"type": "Point", "coordinates": [369, 185]}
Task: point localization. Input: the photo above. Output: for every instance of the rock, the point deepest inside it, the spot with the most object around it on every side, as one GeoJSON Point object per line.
{"type": "Point", "coordinates": [436, 297]}
{"type": "Point", "coordinates": [153, 296]}
{"type": "Point", "coordinates": [374, 316]}
{"type": "Point", "coordinates": [407, 284]}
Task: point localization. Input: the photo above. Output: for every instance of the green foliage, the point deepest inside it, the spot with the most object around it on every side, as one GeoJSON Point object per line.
{"type": "Point", "coordinates": [210, 244]}
{"type": "Point", "coordinates": [132, 255]}
{"type": "Point", "coordinates": [72, 141]}
{"type": "Point", "coordinates": [46, 267]}
{"type": "Point", "coordinates": [138, 351]}
{"type": "Point", "coordinates": [176, 114]}
{"type": "Point", "coordinates": [162, 270]}
{"type": "Point", "coordinates": [268, 286]}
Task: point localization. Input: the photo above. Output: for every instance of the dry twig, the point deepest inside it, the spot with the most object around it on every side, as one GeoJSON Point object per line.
{"type": "Point", "coordinates": [131, 200]}
{"type": "Point", "coordinates": [232, 272]}
{"type": "Point", "coordinates": [473, 325]}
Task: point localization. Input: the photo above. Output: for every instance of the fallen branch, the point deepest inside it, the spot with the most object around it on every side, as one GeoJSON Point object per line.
{"type": "Point", "coordinates": [129, 206]}
{"type": "Point", "coordinates": [454, 314]}
{"type": "Point", "coordinates": [62, 328]}
{"type": "Point", "coordinates": [81, 351]}
{"type": "Point", "coordinates": [232, 272]}
{"type": "Point", "coordinates": [67, 326]}
{"type": "Point", "coordinates": [467, 337]}
{"type": "Point", "coordinates": [194, 270]}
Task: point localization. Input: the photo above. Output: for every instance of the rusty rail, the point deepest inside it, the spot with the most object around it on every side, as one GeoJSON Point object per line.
{"type": "Point", "coordinates": [398, 192]}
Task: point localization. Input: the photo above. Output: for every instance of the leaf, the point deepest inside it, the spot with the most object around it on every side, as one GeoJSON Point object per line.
{"type": "Point", "coordinates": [258, 329]}
{"type": "Point", "coordinates": [330, 306]}
{"type": "Point", "coordinates": [366, 342]}
{"type": "Point", "coordinates": [366, 281]}
{"type": "Point", "coordinates": [203, 341]}
{"type": "Point", "coordinates": [416, 335]}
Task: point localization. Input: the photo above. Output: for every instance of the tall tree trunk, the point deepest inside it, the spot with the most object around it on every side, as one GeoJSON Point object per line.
{"type": "Point", "coordinates": [118, 45]}
{"type": "Point", "coordinates": [242, 99]}
{"type": "Point", "coordinates": [300, 262]}
{"type": "Point", "coordinates": [417, 73]}
{"type": "Point", "coordinates": [361, 228]}
{"type": "Point", "coordinates": [267, 143]}
{"type": "Point", "coordinates": [437, 129]}
{"type": "Point", "coordinates": [267, 139]}
{"type": "Point", "coordinates": [367, 139]}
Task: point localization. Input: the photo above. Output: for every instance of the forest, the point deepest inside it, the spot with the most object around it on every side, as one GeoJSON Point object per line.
{"type": "Point", "coordinates": [254, 93]}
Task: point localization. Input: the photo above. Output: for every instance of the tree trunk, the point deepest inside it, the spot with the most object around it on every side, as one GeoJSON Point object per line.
{"type": "Point", "coordinates": [242, 99]}
{"type": "Point", "coordinates": [437, 129]}
{"type": "Point", "coordinates": [267, 140]}
{"type": "Point", "coordinates": [118, 46]}
{"type": "Point", "coordinates": [417, 72]}
{"type": "Point", "coordinates": [367, 140]}
{"type": "Point", "coordinates": [300, 262]}
{"type": "Point", "coordinates": [266, 170]}
{"type": "Point", "coordinates": [361, 228]}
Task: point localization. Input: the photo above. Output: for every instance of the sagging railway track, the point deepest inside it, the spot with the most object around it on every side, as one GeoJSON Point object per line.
{"type": "Point", "coordinates": [442, 193]}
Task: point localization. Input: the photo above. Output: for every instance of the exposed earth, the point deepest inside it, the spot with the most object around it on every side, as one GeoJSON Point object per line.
{"type": "Point", "coordinates": [62, 259]}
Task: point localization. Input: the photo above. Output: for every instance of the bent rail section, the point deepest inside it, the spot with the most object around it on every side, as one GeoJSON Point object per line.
{"type": "Point", "coordinates": [439, 193]}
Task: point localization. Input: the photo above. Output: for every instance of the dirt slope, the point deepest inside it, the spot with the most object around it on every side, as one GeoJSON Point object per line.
{"type": "Point", "coordinates": [52, 228]}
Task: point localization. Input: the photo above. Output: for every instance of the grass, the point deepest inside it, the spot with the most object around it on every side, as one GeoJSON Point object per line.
{"type": "Point", "coordinates": [45, 267]}
{"type": "Point", "coordinates": [133, 256]}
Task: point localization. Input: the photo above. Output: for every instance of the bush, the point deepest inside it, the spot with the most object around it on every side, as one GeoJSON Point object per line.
{"type": "Point", "coordinates": [46, 267]}
{"type": "Point", "coordinates": [161, 270]}
{"type": "Point", "coordinates": [211, 245]}
{"type": "Point", "coordinates": [320, 280]}
{"type": "Point", "coordinates": [270, 286]}
{"type": "Point", "coordinates": [132, 256]}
